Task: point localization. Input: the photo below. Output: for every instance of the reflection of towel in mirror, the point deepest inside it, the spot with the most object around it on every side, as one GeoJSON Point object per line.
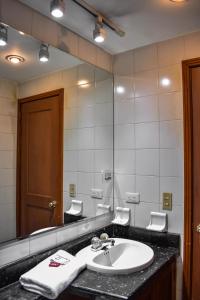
{"type": "Point", "coordinates": [54, 274]}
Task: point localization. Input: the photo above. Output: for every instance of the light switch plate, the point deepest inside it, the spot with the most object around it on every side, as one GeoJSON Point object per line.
{"type": "Point", "coordinates": [72, 190]}
{"type": "Point", "coordinates": [132, 197]}
{"type": "Point", "coordinates": [97, 193]}
{"type": "Point", "coordinates": [167, 201]}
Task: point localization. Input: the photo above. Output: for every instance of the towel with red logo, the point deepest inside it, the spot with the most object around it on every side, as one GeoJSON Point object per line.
{"type": "Point", "coordinates": [54, 274]}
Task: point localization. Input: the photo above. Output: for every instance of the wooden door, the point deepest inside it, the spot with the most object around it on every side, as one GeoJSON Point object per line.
{"type": "Point", "coordinates": [191, 80]}
{"type": "Point", "coordinates": [40, 162]}
{"type": "Point", "coordinates": [195, 82]}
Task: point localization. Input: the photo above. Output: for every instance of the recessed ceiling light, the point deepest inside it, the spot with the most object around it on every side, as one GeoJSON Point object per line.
{"type": "Point", "coordinates": [15, 59]}
{"type": "Point", "coordinates": [99, 33]}
{"type": "Point", "coordinates": [57, 8]}
{"type": "Point", "coordinates": [44, 53]}
{"type": "Point", "coordinates": [3, 35]}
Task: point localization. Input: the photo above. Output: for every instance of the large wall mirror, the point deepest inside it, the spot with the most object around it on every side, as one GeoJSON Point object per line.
{"type": "Point", "coordinates": [56, 138]}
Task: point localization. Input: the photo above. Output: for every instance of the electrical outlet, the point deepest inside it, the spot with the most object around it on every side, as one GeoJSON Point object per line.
{"type": "Point", "coordinates": [132, 197]}
{"type": "Point", "coordinates": [107, 175]}
{"type": "Point", "coordinates": [167, 201]}
{"type": "Point", "coordinates": [97, 193]}
{"type": "Point", "coordinates": [72, 190]}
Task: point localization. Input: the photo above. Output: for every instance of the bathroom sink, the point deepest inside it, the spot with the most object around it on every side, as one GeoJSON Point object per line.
{"type": "Point", "coordinates": [125, 257]}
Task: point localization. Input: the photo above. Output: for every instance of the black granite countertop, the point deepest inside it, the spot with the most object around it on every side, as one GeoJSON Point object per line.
{"type": "Point", "coordinates": [101, 286]}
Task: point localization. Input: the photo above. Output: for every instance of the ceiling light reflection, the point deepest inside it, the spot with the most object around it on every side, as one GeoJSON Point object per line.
{"type": "Point", "coordinates": [83, 83]}
{"type": "Point", "coordinates": [120, 89]}
{"type": "Point", "coordinates": [165, 81]}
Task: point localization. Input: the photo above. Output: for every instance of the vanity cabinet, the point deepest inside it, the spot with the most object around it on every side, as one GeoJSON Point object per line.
{"type": "Point", "coordinates": [69, 296]}
{"type": "Point", "coordinates": [161, 286]}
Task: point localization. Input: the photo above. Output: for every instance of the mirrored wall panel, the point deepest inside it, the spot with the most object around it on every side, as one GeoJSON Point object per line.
{"type": "Point", "coordinates": [56, 138]}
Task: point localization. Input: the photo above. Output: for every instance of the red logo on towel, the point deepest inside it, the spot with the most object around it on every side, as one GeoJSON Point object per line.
{"type": "Point", "coordinates": [54, 264]}
{"type": "Point", "coordinates": [58, 261]}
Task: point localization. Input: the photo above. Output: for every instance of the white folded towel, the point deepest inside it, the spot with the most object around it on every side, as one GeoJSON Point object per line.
{"type": "Point", "coordinates": [54, 274]}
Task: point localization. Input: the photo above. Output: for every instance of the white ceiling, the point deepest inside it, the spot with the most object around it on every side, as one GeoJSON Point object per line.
{"type": "Point", "coordinates": [144, 21]}
{"type": "Point", "coordinates": [28, 48]}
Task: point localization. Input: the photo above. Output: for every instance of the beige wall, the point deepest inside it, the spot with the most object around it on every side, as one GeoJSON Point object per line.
{"type": "Point", "coordinates": [25, 19]}
{"type": "Point", "coordinates": [8, 129]}
{"type": "Point", "coordinates": [88, 130]}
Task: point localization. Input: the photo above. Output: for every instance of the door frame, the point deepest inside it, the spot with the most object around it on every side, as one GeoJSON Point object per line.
{"type": "Point", "coordinates": [188, 160]}
{"type": "Point", "coordinates": [60, 94]}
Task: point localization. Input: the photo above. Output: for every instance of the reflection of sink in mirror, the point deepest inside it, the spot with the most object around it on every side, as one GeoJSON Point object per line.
{"type": "Point", "coordinates": [126, 256]}
{"type": "Point", "coordinates": [84, 95]}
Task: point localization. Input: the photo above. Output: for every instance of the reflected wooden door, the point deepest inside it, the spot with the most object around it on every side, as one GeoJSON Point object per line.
{"type": "Point", "coordinates": [40, 162]}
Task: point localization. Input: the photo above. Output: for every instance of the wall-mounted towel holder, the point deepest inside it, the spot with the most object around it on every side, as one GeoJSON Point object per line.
{"type": "Point", "coordinates": [122, 216]}
{"type": "Point", "coordinates": [158, 222]}
{"type": "Point", "coordinates": [103, 209]}
{"type": "Point", "coordinates": [76, 208]}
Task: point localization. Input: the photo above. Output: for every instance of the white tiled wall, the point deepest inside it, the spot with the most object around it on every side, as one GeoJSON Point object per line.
{"type": "Point", "coordinates": [8, 129]}
{"type": "Point", "coordinates": [88, 129]}
{"type": "Point", "coordinates": [149, 128]}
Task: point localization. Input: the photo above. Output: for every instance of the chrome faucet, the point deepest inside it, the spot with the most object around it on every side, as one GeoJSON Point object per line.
{"type": "Point", "coordinates": [98, 244]}
{"type": "Point", "coordinates": [111, 241]}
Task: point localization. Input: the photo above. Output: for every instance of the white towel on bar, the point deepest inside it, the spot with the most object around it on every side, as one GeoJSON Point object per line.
{"type": "Point", "coordinates": [54, 274]}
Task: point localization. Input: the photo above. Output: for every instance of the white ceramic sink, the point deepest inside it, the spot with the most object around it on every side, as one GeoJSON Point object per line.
{"type": "Point", "coordinates": [125, 257]}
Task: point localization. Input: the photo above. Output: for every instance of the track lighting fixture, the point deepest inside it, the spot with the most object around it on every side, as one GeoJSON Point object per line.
{"type": "Point", "coordinates": [44, 53]}
{"type": "Point", "coordinates": [3, 35]}
{"type": "Point", "coordinates": [99, 33]}
{"type": "Point", "coordinates": [57, 8]}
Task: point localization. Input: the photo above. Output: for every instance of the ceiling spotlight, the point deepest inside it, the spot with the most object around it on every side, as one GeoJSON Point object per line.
{"type": "Point", "coordinates": [57, 8]}
{"type": "Point", "coordinates": [15, 59]}
{"type": "Point", "coordinates": [3, 35]}
{"type": "Point", "coordinates": [99, 33]}
{"type": "Point", "coordinates": [44, 53]}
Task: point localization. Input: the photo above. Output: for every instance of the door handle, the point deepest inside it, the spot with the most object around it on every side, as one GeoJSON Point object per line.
{"type": "Point", "coordinates": [198, 228]}
{"type": "Point", "coordinates": [52, 204]}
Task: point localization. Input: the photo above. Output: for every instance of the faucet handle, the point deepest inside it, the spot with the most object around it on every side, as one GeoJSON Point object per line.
{"type": "Point", "coordinates": [104, 236]}
{"type": "Point", "coordinates": [112, 242]}
{"type": "Point", "coordinates": [96, 242]}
